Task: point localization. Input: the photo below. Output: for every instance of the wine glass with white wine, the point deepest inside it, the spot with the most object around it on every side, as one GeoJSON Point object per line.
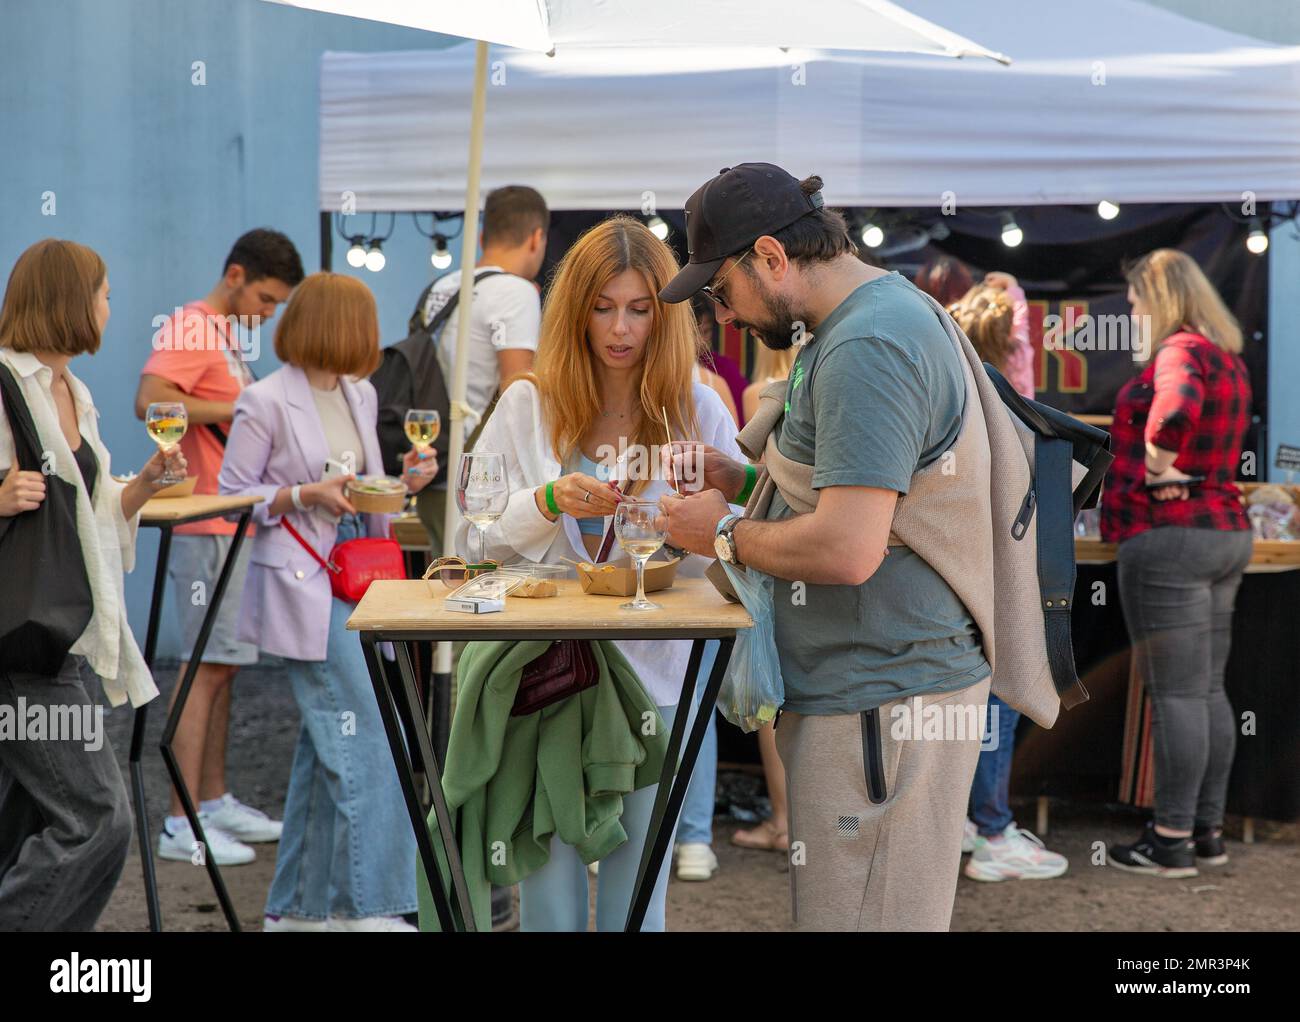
{"type": "Point", "coordinates": [422, 428]}
{"type": "Point", "coordinates": [481, 492]}
{"type": "Point", "coordinates": [634, 525]}
{"type": "Point", "coordinates": [166, 422]}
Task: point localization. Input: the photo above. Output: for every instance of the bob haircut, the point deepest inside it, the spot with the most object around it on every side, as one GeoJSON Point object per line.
{"type": "Point", "coordinates": [49, 303]}
{"type": "Point", "coordinates": [330, 324]}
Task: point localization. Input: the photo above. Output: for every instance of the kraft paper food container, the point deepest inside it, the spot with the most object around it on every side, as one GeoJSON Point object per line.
{"type": "Point", "coordinates": [409, 531]}
{"type": "Point", "coordinates": [182, 489]}
{"type": "Point", "coordinates": [377, 495]}
{"type": "Point", "coordinates": [620, 579]}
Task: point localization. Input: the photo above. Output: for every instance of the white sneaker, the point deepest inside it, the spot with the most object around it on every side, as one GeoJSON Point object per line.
{"type": "Point", "coordinates": [1015, 855]}
{"type": "Point", "coordinates": [370, 924]}
{"type": "Point", "coordinates": [244, 823]}
{"type": "Point", "coordinates": [292, 924]}
{"type": "Point", "coordinates": [696, 861]}
{"type": "Point", "coordinates": [224, 849]}
{"type": "Point", "coordinates": [968, 835]}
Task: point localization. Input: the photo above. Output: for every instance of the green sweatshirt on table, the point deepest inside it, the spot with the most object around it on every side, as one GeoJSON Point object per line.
{"type": "Point", "coordinates": [511, 783]}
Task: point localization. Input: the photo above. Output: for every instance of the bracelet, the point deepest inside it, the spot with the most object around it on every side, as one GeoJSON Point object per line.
{"type": "Point", "coordinates": [751, 480]}
{"type": "Point", "coordinates": [551, 506]}
{"type": "Point", "coordinates": [295, 495]}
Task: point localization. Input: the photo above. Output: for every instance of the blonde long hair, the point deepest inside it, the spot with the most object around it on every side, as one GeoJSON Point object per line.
{"type": "Point", "coordinates": [565, 370]}
{"type": "Point", "coordinates": [985, 315]}
{"type": "Point", "coordinates": [1177, 294]}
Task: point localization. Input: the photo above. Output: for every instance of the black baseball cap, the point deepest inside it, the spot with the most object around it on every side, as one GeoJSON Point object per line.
{"type": "Point", "coordinates": [728, 214]}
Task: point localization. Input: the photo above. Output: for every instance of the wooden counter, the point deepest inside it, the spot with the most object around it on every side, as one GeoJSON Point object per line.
{"type": "Point", "coordinates": [177, 510]}
{"type": "Point", "coordinates": [692, 609]}
{"type": "Point", "coordinates": [1269, 555]}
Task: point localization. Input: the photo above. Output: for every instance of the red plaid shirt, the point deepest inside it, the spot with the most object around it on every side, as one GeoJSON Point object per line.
{"type": "Point", "coordinates": [1193, 398]}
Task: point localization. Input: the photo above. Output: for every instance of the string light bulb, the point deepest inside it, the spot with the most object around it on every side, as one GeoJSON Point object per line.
{"type": "Point", "coordinates": [356, 254]}
{"type": "Point", "coordinates": [1012, 235]}
{"type": "Point", "coordinates": [375, 259]}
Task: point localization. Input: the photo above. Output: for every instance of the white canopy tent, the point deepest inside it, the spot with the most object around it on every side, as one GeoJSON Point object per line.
{"type": "Point", "coordinates": [1114, 99]}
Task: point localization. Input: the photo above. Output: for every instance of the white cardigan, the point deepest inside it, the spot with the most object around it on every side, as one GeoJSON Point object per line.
{"type": "Point", "coordinates": [517, 432]}
{"type": "Point", "coordinates": [107, 536]}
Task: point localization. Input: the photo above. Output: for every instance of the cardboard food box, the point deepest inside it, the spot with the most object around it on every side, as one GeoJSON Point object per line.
{"type": "Point", "coordinates": [620, 579]}
{"type": "Point", "coordinates": [408, 530]}
{"type": "Point", "coordinates": [182, 489]}
{"type": "Point", "coordinates": [377, 494]}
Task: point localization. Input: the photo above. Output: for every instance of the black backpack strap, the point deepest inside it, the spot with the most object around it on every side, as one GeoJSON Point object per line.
{"type": "Point", "coordinates": [1089, 445]}
{"type": "Point", "coordinates": [1056, 569]}
{"type": "Point", "coordinates": [442, 315]}
{"type": "Point", "coordinates": [26, 441]}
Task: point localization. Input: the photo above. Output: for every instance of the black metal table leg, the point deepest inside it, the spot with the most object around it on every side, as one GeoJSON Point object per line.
{"type": "Point", "coordinates": [137, 736]}
{"type": "Point", "coordinates": [450, 917]}
{"type": "Point", "coordinates": [674, 779]}
{"type": "Point", "coordinates": [430, 768]}
{"type": "Point", "coordinates": [178, 709]}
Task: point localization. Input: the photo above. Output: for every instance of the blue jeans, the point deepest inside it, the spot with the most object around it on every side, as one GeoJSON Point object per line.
{"type": "Point", "coordinates": [990, 791]}
{"type": "Point", "coordinates": [696, 823]}
{"type": "Point", "coordinates": [555, 898]}
{"type": "Point", "coordinates": [347, 849]}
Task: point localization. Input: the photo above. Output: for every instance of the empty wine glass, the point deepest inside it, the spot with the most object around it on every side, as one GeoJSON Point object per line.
{"type": "Point", "coordinates": [634, 525]}
{"type": "Point", "coordinates": [481, 492]}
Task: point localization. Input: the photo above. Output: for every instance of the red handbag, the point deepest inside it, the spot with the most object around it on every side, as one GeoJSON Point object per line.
{"type": "Point", "coordinates": [355, 563]}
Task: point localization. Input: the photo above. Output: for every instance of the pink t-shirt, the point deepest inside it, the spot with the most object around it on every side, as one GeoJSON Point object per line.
{"type": "Point", "coordinates": [196, 351]}
{"type": "Point", "coordinates": [1020, 363]}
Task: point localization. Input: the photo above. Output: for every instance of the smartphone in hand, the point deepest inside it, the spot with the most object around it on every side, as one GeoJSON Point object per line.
{"type": "Point", "coordinates": [1189, 482]}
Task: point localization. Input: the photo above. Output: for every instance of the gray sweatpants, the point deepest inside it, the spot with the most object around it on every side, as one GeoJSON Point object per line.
{"type": "Point", "coordinates": [879, 849]}
{"type": "Point", "coordinates": [1177, 587]}
{"type": "Point", "coordinates": [65, 816]}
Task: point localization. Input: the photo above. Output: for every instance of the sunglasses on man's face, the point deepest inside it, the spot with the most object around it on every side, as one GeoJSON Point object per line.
{"type": "Point", "coordinates": [712, 292]}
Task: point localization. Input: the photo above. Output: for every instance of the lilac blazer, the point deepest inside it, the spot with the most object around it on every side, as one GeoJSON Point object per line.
{"type": "Point", "coordinates": [277, 440]}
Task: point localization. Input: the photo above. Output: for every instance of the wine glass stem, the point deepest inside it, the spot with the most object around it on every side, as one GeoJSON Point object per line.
{"type": "Point", "coordinates": [481, 540]}
{"type": "Point", "coordinates": [640, 580]}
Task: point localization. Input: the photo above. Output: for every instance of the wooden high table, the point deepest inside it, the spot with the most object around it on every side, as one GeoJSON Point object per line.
{"type": "Point", "coordinates": [409, 611]}
{"type": "Point", "coordinates": [165, 514]}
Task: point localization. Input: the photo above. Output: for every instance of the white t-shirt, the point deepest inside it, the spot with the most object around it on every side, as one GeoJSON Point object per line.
{"type": "Point", "coordinates": [507, 313]}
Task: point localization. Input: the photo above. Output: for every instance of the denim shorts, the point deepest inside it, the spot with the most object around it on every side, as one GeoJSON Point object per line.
{"type": "Point", "coordinates": [194, 567]}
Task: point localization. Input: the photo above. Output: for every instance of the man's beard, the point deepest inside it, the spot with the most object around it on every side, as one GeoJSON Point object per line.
{"type": "Point", "coordinates": [777, 328]}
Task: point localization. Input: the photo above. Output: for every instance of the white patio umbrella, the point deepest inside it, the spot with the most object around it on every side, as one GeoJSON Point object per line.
{"type": "Point", "coordinates": [547, 25]}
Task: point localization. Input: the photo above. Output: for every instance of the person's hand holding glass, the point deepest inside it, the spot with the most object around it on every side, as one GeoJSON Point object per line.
{"type": "Point", "coordinates": [166, 422]}
{"type": "Point", "coordinates": [481, 492]}
{"type": "Point", "coordinates": [634, 525]}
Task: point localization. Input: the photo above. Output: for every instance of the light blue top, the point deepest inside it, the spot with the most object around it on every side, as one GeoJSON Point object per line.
{"type": "Point", "coordinates": [579, 462]}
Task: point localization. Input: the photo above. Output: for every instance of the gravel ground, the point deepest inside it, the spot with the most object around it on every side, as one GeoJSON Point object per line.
{"type": "Point", "coordinates": [1257, 890]}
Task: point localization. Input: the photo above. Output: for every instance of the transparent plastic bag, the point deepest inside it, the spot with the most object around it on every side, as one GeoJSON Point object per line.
{"type": "Point", "coordinates": [752, 689]}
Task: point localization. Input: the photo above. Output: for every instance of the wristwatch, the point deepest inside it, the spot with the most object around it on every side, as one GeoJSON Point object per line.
{"type": "Point", "coordinates": [724, 543]}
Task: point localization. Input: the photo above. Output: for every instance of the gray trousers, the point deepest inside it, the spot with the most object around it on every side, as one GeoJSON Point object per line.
{"type": "Point", "coordinates": [877, 809]}
{"type": "Point", "coordinates": [1177, 587]}
{"type": "Point", "coordinates": [65, 815]}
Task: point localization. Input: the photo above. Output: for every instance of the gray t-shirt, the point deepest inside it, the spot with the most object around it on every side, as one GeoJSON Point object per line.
{"type": "Point", "coordinates": [875, 395]}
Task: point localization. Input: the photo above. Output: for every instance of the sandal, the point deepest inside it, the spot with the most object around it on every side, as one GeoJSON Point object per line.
{"type": "Point", "coordinates": [765, 837]}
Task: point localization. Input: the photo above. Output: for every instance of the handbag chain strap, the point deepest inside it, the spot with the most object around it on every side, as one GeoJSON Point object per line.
{"type": "Point", "coordinates": [327, 565]}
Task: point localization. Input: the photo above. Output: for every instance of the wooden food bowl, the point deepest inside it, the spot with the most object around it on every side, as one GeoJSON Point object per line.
{"type": "Point", "coordinates": [620, 580]}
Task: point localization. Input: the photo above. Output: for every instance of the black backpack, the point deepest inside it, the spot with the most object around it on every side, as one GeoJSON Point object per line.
{"type": "Point", "coordinates": [410, 377]}
{"type": "Point", "coordinates": [1059, 441]}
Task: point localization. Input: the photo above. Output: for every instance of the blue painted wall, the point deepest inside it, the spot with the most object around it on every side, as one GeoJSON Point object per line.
{"type": "Point", "coordinates": [160, 175]}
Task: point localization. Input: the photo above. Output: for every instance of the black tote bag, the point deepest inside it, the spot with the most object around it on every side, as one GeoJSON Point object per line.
{"type": "Point", "coordinates": [47, 603]}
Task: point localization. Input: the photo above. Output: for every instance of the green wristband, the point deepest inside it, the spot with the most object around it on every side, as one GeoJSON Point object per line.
{"type": "Point", "coordinates": [550, 500]}
{"type": "Point", "coordinates": [751, 480]}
